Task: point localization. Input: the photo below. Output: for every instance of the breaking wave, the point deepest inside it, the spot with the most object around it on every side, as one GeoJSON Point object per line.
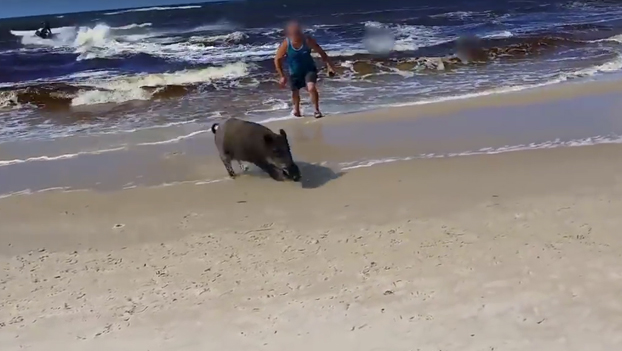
{"type": "Point", "coordinates": [82, 38]}
{"type": "Point", "coordinates": [102, 41]}
{"type": "Point", "coordinates": [120, 89]}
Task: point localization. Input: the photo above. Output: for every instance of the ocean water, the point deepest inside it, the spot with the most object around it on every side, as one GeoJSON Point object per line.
{"type": "Point", "coordinates": [120, 71]}
{"type": "Point", "coordinates": [125, 98]}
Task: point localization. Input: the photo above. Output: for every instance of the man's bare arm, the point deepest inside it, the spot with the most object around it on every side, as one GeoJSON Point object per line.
{"type": "Point", "coordinates": [317, 48]}
{"type": "Point", "coordinates": [281, 52]}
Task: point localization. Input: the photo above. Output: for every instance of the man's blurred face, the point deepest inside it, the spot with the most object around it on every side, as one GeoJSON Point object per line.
{"type": "Point", "coordinates": [293, 30]}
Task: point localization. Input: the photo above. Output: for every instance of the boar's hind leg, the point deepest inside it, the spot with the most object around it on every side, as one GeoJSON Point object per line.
{"type": "Point", "coordinates": [274, 172]}
{"type": "Point", "coordinates": [243, 167]}
{"type": "Point", "coordinates": [226, 160]}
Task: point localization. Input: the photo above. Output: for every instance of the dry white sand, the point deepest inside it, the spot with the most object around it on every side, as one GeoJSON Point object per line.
{"type": "Point", "coordinates": [517, 251]}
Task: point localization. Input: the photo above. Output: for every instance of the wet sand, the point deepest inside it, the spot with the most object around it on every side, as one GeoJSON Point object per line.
{"type": "Point", "coordinates": [571, 114]}
{"type": "Point", "coordinates": [506, 251]}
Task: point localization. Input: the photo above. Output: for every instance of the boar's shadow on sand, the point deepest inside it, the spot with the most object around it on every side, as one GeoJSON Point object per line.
{"type": "Point", "coordinates": [313, 175]}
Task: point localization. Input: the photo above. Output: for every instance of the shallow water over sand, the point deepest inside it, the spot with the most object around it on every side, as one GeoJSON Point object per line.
{"type": "Point", "coordinates": [185, 153]}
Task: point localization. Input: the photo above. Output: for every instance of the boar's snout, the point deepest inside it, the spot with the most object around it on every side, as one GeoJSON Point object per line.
{"type": "Point", "coordinates": [293, 172]}
{"type": "Point", "coordinates": [280, 156]}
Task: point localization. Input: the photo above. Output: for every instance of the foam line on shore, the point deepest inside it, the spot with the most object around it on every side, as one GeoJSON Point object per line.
{"type": "Point", "coordinates": [176, 139]}
{"type": "Point", "coordinates": [58, 157]}
{"type": "Point", "coordinates": [557, 143]}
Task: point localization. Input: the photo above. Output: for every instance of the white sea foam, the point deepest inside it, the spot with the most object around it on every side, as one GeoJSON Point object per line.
{"type": "Point", "coordinates": [95, 97]}
{"type": "Point", "coordinates": [102, 41]}
{"type": "Point", "coordinates": [499, 35]}
{"type": "Point", "coordinates": [8, 100]}
{"type": "Point", "coordinates": [84, 75]}
{"type": "Point", "coordinates": [16, 193]}
{"type": "Point", "coordinates": [176, 139]}
{"type": "Point", "coordinates": [157, 8]}
{"type": "Point", "coordinates": [455, 14]}
{"type": "Point", "coordinates": [57, 157]}
{"type": "Point", "coordinates": [233, 37]}
{"type": "Point", "coordinates": [610, 66]}
{"type": "Point", "coordinates": [158, 126]}
{"type": "Point", "coordinates": [615, 38]}
{"type": "Point", "coordinates": [127, 88]}
{"type": "Point", "coordinates": [212, 181]}
{"type": "Point", "coordinates": [277, 119]}
{"type": "Point", "coordinates": [271, 104]}
{"type": "Point", "coordinates": [220, 25]}
{"type": "Point", "coordinates": [30, 192]}
{"type": "Point", "coordinates": [597, 140]}
{"type": "Point", "coordinates": [133, 25]}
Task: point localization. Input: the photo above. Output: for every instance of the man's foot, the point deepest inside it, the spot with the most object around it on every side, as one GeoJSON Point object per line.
{"type": "Point", "coordinates": [318, 114]}
{"type": "Point", "coordinates": [296, 113]}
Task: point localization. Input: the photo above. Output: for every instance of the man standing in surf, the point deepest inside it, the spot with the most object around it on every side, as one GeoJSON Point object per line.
{"type": "Point", "coordinates": [296, 49]}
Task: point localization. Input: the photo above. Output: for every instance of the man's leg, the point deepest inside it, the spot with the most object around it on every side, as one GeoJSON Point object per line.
{"type": "Point", "coordinates": [315, 96]}
{"type": "Point", "coordinates": [295, 85]}
{"type": "Point", "coordinates": [311, 81]}
{"type": "Point", "coordinates": [296, 102]}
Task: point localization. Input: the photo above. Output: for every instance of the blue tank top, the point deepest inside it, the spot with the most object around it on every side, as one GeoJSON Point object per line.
{"type": "Point", "coordinates": [299, 61]}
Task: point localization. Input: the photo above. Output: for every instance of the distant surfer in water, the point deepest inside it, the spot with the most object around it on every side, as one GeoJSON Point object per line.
{"type": "Point", "coordinates": [45, 32]}
{"type": "Point", "coordinates": [296, 49]}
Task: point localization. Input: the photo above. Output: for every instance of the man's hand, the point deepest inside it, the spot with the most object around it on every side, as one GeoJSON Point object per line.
{"type": "Point", "coordinates": [317, 48]}
{"type": "Point", "coordinates": [331, 71]}
{"type": "Point", "coordinates": [283, 81]}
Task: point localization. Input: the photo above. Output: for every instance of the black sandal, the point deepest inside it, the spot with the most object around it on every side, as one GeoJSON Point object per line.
{"type": "Point", "coordinates": [318, 114]}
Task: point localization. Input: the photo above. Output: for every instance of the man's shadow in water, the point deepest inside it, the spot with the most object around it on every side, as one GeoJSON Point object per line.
{"type": "Point", "coordinates": [313, 175]}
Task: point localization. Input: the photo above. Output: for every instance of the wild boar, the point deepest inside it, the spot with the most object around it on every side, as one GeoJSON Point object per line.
{"type": "Point", "coordinates": [254, 143]}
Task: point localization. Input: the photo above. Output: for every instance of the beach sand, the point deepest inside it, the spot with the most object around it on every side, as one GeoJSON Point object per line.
{"type": "Point", "coordinates": [507, 251]}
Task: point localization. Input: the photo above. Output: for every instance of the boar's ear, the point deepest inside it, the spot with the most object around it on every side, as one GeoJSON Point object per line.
{"type": "Point", "coordinates": [268, 139]}
{"type": "Point", "coordinates": [282, 132]}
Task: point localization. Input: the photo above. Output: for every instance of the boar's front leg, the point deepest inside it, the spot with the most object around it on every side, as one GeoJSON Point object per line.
{"type": "Point", "coordinates": [274, 172]}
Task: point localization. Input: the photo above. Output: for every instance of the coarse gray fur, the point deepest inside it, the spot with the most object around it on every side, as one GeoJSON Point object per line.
{"type": "Point", "coordinates": [246, 141]}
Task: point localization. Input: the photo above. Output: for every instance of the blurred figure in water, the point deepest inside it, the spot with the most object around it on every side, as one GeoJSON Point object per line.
{"type": "Point", "coordinates": [296, 50]}
{"type": "Point", "coordinates": [469, 49]}
{"type": "Point", "coordinates": [45, 31]}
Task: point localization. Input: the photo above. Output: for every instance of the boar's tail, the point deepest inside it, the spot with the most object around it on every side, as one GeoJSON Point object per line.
{"type": "Point", "coordinates": [214, 128]}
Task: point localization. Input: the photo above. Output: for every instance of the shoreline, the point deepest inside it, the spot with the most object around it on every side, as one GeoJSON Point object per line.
{"type": "Point", "coordinates": [525, 120]}
{"type": "Point", "coordinates": [593, 167]}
